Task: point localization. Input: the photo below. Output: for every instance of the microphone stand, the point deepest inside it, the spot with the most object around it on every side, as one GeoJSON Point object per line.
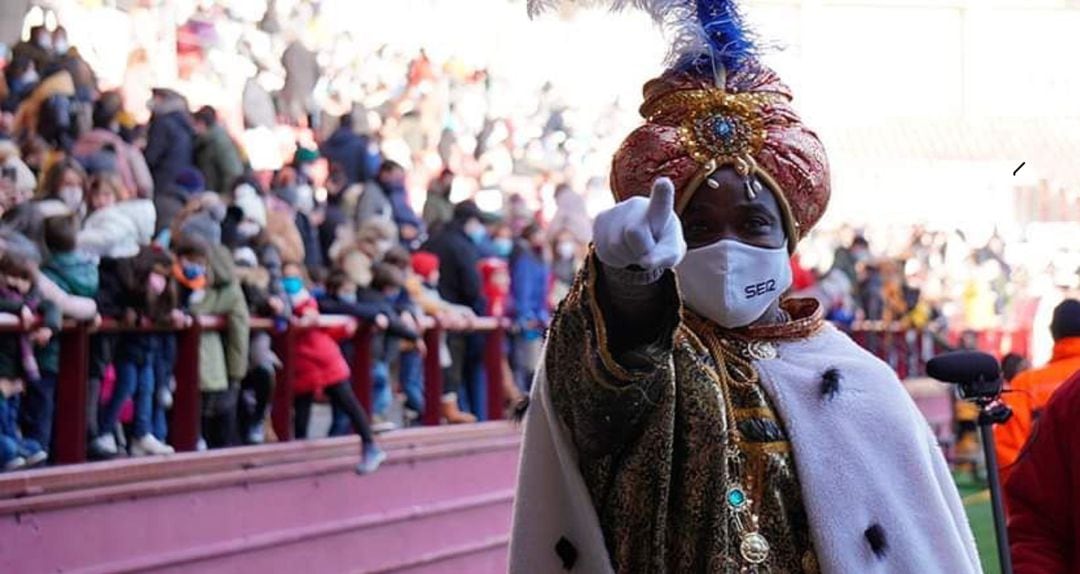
{"type": "Point", "coordinates": [991, 413]}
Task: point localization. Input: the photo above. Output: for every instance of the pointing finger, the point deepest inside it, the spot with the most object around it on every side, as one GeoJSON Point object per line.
{"type": "Point", "coordinates": [661, 205]}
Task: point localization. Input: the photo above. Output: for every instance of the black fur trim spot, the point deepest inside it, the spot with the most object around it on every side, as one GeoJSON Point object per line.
{"type": "Point", "coordinates": [518, 412]}
{"type": "Point", "coordinates": [875, 535]}
{"type": "Point", "coordinates": [567, 553]}
{"type": "Point", "coordinates": [830, 384]}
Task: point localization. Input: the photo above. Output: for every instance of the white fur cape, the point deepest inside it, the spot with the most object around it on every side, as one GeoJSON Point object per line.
{"type": "Point", "coordinates": [866, 460]}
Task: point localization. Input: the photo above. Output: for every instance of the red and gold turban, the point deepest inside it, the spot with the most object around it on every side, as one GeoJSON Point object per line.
{"type": "Point", "coordinates": [694, 128]}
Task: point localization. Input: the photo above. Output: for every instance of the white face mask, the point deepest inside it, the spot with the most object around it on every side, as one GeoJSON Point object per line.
{"type": "Point", "coordinates": [565, 250]}
{"type": "Point", "coordinates": [72, 196]}
{"type": "Point", "coordinates": [733, 283]}
{"type": "Point", "coordinates": [247, 229]}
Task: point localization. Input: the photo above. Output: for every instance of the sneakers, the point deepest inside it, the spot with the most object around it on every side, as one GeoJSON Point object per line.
{"type": "Point", "coordinates": [105, 444]}
{"type": "Point", "coordinates": [373, 458]}
{"type": "Point", "coordinates": [20, 462]}
{"type": "Point", "coordinates": [257, 434]}
{"type": "Point", "coordinates": [381, 425]}
{"type": "Point", "coordinates": [31, 451]}
{"type": "Point", "coordinates": [149, 445]}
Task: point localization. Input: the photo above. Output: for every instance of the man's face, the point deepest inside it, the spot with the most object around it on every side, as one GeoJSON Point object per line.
{"type": "Point", "coordinates": [724, 210]}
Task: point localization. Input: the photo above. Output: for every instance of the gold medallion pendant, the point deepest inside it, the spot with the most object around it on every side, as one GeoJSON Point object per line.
{"type": "Point", "coordinates": [754, 548]}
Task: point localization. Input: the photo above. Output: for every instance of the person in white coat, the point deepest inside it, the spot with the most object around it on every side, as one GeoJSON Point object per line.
{"type": "Point", "coordinates": [688, 416]}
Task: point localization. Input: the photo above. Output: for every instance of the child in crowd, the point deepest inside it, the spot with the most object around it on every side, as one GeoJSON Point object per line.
{"type": "Point", "coordinates": [75, 273]}
{"type": "Point", "coordinates": [209, 286]}
{"type": "Point", "coordinates": [135, 291]}
{"type": "Point", "coordinates": [410, 361]}
{"type": "Point", "coordinates": [255, 389]}
{"type": "Point", "coordinates": [321, 367]}
{"type": "Point", "coordinates": [19, 367]}
{"type": "Point", "coordinates": [423, 288]}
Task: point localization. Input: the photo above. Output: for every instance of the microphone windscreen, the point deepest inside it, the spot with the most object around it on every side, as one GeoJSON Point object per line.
{"type": "Point", "coordinates": [964, 367]}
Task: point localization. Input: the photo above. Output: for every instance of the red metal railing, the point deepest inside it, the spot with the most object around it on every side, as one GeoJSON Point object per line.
{"type": "Point", "coordinates": [70, 426]}
{"type": "Point", "coordinates": [907, 350]}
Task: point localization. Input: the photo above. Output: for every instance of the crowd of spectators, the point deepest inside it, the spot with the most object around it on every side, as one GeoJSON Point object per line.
{"type": "Point", "coordinates": [103, 218]}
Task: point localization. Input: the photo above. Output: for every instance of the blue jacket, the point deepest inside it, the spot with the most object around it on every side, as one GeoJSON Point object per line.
{"type": "Point", "coordinates": [355, 154]}
{"type": "Point", "coordinates": [530, 277]}
{"type": "Point", "coordinates": [170, 146]}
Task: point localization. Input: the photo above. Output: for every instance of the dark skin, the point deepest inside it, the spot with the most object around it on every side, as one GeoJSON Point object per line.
{"type": "Point", "coordinates": [713, 214]}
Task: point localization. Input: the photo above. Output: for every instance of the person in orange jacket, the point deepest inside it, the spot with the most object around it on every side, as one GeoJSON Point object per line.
{"type": "Point", "coordinates": [1031, 390]}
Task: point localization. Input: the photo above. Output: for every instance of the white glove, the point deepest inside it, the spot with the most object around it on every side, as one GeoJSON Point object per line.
{"type": "Point", "coordinates": [642, 233]}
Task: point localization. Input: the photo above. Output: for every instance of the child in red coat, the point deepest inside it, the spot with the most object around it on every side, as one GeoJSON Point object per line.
{"type": "Point", "coordinates": [320, 367]}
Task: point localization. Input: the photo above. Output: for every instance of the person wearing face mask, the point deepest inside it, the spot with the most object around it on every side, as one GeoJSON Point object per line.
{"type": "Point", "coordinates": [391, 180]}
{"type": "Point", "coordinates": [458, 249]}
{"type": "Point", "coordinates": [208, 285]}
{"type": "Point", "coordinates": [566, 262]}
{"type": "Point", "coordinates": [687, 416]}
{"type": "Point", "coordinates": [134, 291]}
{"type": "Point", "coordinates": [21, 77]}
{"type": "Point", "coordinates": [65, 181]}
{"type": "Point", "coordinates": [530, 280]}
{"type": "Point", "coordinates": [320, 366]}
{"type": "Point", "coordinates": [38, 48]}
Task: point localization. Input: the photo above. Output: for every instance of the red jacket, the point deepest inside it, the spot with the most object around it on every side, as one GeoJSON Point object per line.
{"type": "Point", "coordinates": [318, 358]}
{"type": "Point", "coordinates": [1043, 490]}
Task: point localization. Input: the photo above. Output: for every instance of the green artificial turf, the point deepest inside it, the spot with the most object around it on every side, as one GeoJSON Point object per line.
{"type": "Point", "coordinates": [981, 515]}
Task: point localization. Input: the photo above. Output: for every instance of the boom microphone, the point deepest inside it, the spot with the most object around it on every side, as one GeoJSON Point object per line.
{"type": "Point", "coordinates": [977, 374]}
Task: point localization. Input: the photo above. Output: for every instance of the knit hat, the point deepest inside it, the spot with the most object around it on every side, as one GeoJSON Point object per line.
{"type": "Point", "coordinates": [248, 200]}
{"type": "Point", "coordinates": [202, 225]}
{"type": "Point", "coordinates": [1066, 321]}
{"type": "Point", "coordinates": [425, 263]}
{"type": "Point", "coordinates": [191, 180]}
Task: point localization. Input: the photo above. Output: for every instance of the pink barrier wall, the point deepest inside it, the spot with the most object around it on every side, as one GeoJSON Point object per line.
{"type": "Point", "coordinates": [432, 508]}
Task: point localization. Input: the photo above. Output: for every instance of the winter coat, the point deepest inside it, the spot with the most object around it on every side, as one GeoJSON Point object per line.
{"type": "Point", "coordinates": [123, 289]}
{"type": "Point", "coordinates": [119, 230]}
{"type": "Point", "coordinates": [318, 359]}
{"type": "Point", "coordinates": [354, 154]}
{"type": "Point", "coordinates": [438, 211]}
{"type": "Point", "coordinates": [222, 360]}
{"type": "Point", "coordinates": [530, 279]}
{"type": "Point", "coordinates": [29, 112]}
{"type": "Point", "coordinates": [372, 203]}
{"type": "Point", "coordinates": [399, 204]}
{"type": "Point", "coordinates": [130, 163]}
{"type": "Point", "coordinates": [169, 201]}
{"type": "Point", "coordinates": [170, 142]}
{"type": "Point", "coordinates": [309, 235]}
{"type": "Point", "coordinates": [16, 351]}
{"type": "Point", "coordinates": [74, 272]}
{"type": "Point", "coordinates": [1030, 391]}
{"type": "Point", "coordinates": [42, 58]}
{"type": "Point", "coordinates": [459, 280]}
{"type": "Point", "coordinates": [1043, 491]}
{"type": "Point", "coordinates": [71, 306]}
{"type": "Point", "coordinates": [218, 158]}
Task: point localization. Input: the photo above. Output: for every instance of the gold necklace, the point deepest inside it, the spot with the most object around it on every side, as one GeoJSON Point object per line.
{"type": "Point", "coordinates": [735, 367]}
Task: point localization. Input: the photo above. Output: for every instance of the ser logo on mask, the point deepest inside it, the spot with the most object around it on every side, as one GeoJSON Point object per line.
{"type": "Point", "coordinates": [759, 289]}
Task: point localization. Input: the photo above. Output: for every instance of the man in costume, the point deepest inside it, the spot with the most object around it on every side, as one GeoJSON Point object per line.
{"type": "Point", "coordinates": [688, 418]}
